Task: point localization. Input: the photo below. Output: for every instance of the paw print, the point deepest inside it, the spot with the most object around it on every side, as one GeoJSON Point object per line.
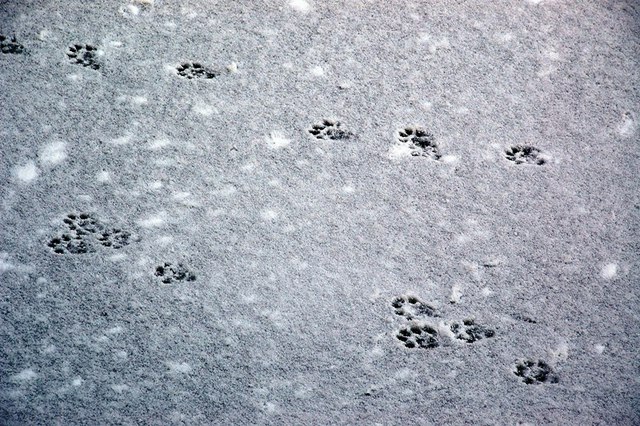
{"type": "Point", "coordinates": [525, 154]}
{"type": "Point", "coordinates": [329, 129]}
{"type": "Point", "coordinates": [114, 238]}
{"type": "Point", "coordinates": [70, 244]}
{"type": "Point", "coordinates": [470, 332]}
{"type": "Point", "coordinates": [417, 335]}
{"type": "Point", "coordinates": [420, 141]}
{"type": "Point", "coordinates": [83, 223]}
{"type": "Point", "coordinates": [169, 273]}
{"type": "Point", "coordinates": [411, 307]}
{"type": "Point", "coordinates": [190, 70]}
{"type": "Point", "coordinates": [535, 372]}
{"type": "Point", "coordinates": [83, 54]}
{"type": "Point", "coordinates": [10, 45]}
{"type": "Point", "coordinates": [85, 230]}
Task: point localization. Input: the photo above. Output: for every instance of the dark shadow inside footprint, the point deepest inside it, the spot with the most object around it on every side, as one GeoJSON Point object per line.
{"type": "Point", "coordinates": [329, 129]}
{"type": "Point", "coordinates": [10, 45]}
{"type": "Point", "coordinates": [418, 336]}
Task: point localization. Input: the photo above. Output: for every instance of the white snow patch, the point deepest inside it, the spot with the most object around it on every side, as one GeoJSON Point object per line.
{"type": "Point", "coordinates": [24, 375]}
{"type": "Point", "coordinates": [121, 354]}
{"type": "Point", "coordinates": [449, 159]}
{"type": "Point", "coordinates": [348, 189]}
{"type": "Point", "coordinates": [179, 367]}
{"type": "Point", "coordinates": [103, 177]}
{"type": "Point", "coordinates": [119, 388]}
{"type": "Point", "coordinates": [277, 140]}
{"type": "Point", "coordinates": [456, 294]}
{"type": "Point", "coordinates": [398, 151]}
{"type": "Point", "coordinates": [486, 291]}
{"type": "Point", "coordinates": [152, 221]}
{"type": "Point", "coordinates": [268, 214]}
{"type": "Point", "coordinates": [534, 1]}
{"type": "Point", "coordinates": [561, 352]}
{"type": "Point", "coordinates": [123, 140]}
{"type": "Point", "coordinates": [609, 271]}
{"type": "Point", "coordinates": [599, 348]}
{"type": "Point", "coordinates": [77, 381]}
{"type": "Point", "coordinates": [628, 126]}
{"type": "Point", "coordinates": [54, 153]}
{"type": "Point", "coordinates": [433, 45]}
{"type": "Point", "coordinates": [300, 5]}
{"type": "Point", "coordinates": [139, 100]}
{"type": "Point", "coordinates": [27, 172]}
{"type": "Point", "coordinates": [180, 196]}
{"type": "Point", "coordinates": [156, 184]}
{"type": "Point", "coordinates": [232, 68]}
{"type": "Point", "coordinates": [204, 109]}
{"type": "Point", "coordinates": [50, 349]}
{"type": "Point", "coordinates": [4, 265]}
{"type": "Point", "coordinates": [115, 330]}
{"type": "Point", "coordinates": [317, 71]}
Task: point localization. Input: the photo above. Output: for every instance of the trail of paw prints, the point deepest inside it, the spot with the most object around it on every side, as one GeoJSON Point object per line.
{"type": "Point", "coordinates": [195, 70]}
{"type": "Point", "coordinates": [85, 233]}
{"type": "Point", "coordinates": [10, 45]}
{"type": "Point", "coordinates": [535, 372]}
{"type": "Point", "coordinates": [422, 332]}
{"type": "Point", "coordinates": [329, 130]}
{"type": "Point", "coordinates": [169, 273]}
{"type": "Point", "coordinates": [525, 154]}
{"type": "Point", "coordinates": [419, 141]}
{"type": "Point", "coordinates": [85, 55]}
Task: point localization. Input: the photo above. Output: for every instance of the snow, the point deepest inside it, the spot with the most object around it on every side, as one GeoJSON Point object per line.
{"type": "Point", "coordinates": [227, 266]}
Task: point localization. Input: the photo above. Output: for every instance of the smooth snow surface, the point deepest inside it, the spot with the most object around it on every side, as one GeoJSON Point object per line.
{"type": "Point", "coordinates": [310, 212]}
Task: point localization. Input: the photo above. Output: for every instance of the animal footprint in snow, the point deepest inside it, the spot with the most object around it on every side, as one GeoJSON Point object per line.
{"type": "Point", "coordinates": [10, 45]}
{"type": "Point", "coordinates": [535, 372]}
{"type": "Point", "coordinates": [191, 70]}
{"type": "Point", "coordinates": [85, 232]}
{"type": "Point", "coordinates": [411, 307]}
{"type": "Point", "coordinates": [525, 154]}
{"type": "Point", "coordinates": [470, 332]}
{"type": "Point", "coordinates": [83, 54]}
{"type": "Point", "coordinates": [420, 141]}
{"type": "Point", "coordinates": [417, 335]}
{"type": "Point", "coordinates": [114, 238]}
{"type": "Point", "coordinates": [169, 273]}
{"type": "Point", "coordinates": [329, 129]}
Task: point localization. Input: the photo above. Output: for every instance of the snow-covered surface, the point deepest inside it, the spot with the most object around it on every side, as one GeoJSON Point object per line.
{"type": "Point", "coordinates": [319, 212]}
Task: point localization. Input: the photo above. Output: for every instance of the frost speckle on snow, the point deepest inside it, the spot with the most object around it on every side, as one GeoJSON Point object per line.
{"type": "Point", "coordinates": [300, 5]}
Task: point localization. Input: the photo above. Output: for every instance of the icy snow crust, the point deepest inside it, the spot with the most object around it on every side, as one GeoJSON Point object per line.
{"type": "Point", "coordinates": [319, 212]}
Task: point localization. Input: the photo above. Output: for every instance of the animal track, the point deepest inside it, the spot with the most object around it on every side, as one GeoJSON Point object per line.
{"type": "Point", "coordinates": [416, 335]}
{"type": "Point", "coordinates": [70, 244]}
{"type": "Point", "coordinates": [115, 238]}
{"type": "Point", "coordinates": [420, 141]}
{"type": "Point", "coordinates": [470, 332]}
{"type": "Point", "coordinates": [535, 372]}
{"type": "Point", "coordinates": [525, 154]}
{"type": "Point", "coordinates": [192, 70]}
{"type": "Point", "coordinates": [411, 307]}
{"type": "Point", "coordinates": [10, 45]}
{"type": "Point", "coordinates": [169, 273]}
{"type": "Point", "coordinates": [84, 231]}
{"type": "Point", "coordinates": [83, 54]}
{"type": "Point", "coordinates": [329, 129]}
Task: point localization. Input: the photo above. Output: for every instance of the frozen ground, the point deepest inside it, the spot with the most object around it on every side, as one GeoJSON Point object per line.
{"type": "Point", "coordinates": [319, 212]}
